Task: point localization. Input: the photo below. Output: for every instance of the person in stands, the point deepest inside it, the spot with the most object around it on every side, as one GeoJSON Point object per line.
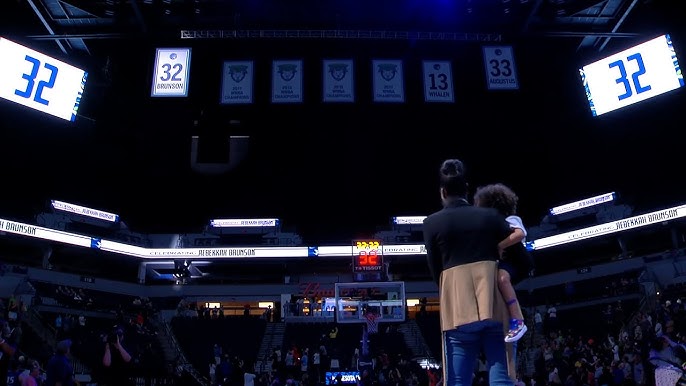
{"type": "Point", "coordinates": [8, 347]}
{"type": "Point", "coordinates": [59, 371]}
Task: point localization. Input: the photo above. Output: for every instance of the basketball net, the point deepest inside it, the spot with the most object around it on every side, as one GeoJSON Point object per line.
{"type": "Point", "coordinates": [372, 323]}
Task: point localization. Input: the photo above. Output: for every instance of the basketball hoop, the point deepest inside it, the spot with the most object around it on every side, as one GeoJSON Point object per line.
{"type": "Point", "coordinates": [372, 323]}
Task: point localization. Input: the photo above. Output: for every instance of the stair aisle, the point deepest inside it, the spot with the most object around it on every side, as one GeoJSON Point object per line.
{"type": "Point", "coordinates": [42, 329]}
{"type": "Point", "coordinates": [414, 339]}
{"type": "Point", "coordinates": [272, 339]}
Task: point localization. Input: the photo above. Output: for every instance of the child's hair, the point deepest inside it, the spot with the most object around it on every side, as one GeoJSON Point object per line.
{"type": "Point", "coordinates": [497, 196]}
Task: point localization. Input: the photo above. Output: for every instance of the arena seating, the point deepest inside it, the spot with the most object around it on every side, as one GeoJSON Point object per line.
{"type": "Point", "coordinates": [241, 337]}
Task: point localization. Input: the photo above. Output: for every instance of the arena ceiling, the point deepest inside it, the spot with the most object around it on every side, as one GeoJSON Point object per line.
{"type": "Point", "coordinates": [590, 24]}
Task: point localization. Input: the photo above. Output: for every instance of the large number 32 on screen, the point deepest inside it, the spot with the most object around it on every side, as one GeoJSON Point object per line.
{"type": "Point", "coordinates": [634, 77]}
{"type": "Point", "coordinates": [167, 69]}
{"type": "Point", "coordinates": [31, 81]}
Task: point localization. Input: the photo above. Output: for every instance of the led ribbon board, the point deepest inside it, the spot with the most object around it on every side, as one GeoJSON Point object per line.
{"type": "Point", "coordinates": [83, 211]}
{"type": "Point", "coordinates": [572, 206]}
{"type": "Point", "coordinates": [244, 223]}
{"type": "Point", "coordinates": [609, 228]}
{"type": "Point", "coordinates": [13, 227]}
{"type": "Point", "coordinates": [347, 377]}
{"type": "Point", "coordinates": [633, 75]}
{"type": "Point", "coordinates": [40, 82]}
{"type": "Point", "coordinates": [409, 220]}
{"type": "Point", "coordinates": [37, 232]}
{"type": "Point", "coordinates": [386, 250]}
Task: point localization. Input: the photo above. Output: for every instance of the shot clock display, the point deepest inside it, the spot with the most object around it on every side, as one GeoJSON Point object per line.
{"type": "Point", "coordinates": [40, 82]}
{"type": "Point", "coordinates": [367, 256]}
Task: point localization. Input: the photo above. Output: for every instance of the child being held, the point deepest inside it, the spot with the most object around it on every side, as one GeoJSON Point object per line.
{"type": "Point", "coordinates": [515, 262]}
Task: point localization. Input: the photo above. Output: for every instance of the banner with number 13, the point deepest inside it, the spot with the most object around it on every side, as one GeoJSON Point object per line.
{"type": "Point", "coordinates": [438, 81]}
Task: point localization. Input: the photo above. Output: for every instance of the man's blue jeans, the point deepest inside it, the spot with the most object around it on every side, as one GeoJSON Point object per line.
{"type": "Point", "coordinates": [462, 348]}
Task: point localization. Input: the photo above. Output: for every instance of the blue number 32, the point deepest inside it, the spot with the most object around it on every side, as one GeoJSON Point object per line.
{"type": "Point", "coordinates": [634, 77]}
{"type": "Point", "coordinates": [31, 81]}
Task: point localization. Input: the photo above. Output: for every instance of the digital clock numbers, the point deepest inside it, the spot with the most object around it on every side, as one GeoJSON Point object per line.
{"type": "Point", "coordinates": [40, 82]}
{"type": "Point", "coordinates": [639, 73]}
{"type": "Point", "coordinates": [375, 245]}
{"type": "Point", "coordinates": [367, 256]}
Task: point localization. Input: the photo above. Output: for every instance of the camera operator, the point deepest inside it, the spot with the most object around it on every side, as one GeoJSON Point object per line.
{"type": "Point", "coordinates": [115, 361]}
{"type": "Point", "coordinates": [7, 348]}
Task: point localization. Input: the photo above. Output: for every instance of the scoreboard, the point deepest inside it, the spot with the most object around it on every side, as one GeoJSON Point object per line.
{"type": "Point", "coordinates": [367, 256]}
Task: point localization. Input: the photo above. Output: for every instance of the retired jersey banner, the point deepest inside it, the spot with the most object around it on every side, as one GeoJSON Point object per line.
{"type": "Point", "coordinates": [171, 73]}
{"type": "Point", "coordinates": [501, 73]}
{"type": "Point", "coordinates": [287, 81]}
{"type": "Point", "coordinates": [339, 81]}
{"type": "Point", "coordinates": [237, 82]}
{"type": "Point", "coordinates": [438, 81]}
{"type": "Point", "coordinates": [388, 81]}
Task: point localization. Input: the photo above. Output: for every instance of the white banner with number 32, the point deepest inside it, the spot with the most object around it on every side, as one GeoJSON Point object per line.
{"type": "Point", "coordinates": [172, 69]}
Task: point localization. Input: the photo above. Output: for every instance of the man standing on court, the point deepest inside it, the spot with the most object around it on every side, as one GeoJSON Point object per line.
{"type": "Point", "coordinates": [462, 251]}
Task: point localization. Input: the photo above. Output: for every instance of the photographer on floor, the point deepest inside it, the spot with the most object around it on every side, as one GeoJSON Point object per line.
{"type": "Point", "coordinates": [116, 361]}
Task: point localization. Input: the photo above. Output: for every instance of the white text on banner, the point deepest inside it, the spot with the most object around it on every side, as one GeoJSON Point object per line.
{"type": "Point", "coordinates": [610, 227]}
{"type": "Point", "coordinates": [242, 252]}
{"type": "Point", "coordinates": [237, 82]}
{"type": "Point", "coordinates": [172, 71]}
{"type": "Point", "coordinates": [339, 80]}
{"type": "Point", "coordinates": [576, 205]}
{"type": "Point", "coordinates": [501, 73]}
{"type": "Point", "coordinates": [44, 233]}
{"type": "Point", "coordinates": [287, 81]}
{"type": "Point", "coordinates": [390, 250]}
{"type": "Point", "coordinates": [389, 85]}
{"type": "Point", "coordinates": [244, 223]}
{"type": "Point", "coordinates": [438, 81]}
{"type": "Point", "coordinates": [83, 211]}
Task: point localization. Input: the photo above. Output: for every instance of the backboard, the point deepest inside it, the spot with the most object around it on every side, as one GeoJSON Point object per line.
{"type": "Point", "coordinates": [355, 301]}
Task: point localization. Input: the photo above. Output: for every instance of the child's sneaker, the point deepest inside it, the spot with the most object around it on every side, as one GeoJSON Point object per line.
{"type": "Point", "coordinates": [517, 330]}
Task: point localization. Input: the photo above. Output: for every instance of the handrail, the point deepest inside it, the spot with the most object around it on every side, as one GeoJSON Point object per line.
{"type": "Point", "coordinates": [187, 365]}
{"type": "Point", "coordinates": [48, 334]}
{"type": "Point", "coordinates": [45, 331]}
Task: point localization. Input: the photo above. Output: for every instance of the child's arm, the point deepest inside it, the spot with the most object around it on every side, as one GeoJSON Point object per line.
{"type": "Point", "coordinates": [515, 237]}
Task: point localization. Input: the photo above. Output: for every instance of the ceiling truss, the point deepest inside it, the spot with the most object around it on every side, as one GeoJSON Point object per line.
{"type": "Point", "coordinates": [70, 25]}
